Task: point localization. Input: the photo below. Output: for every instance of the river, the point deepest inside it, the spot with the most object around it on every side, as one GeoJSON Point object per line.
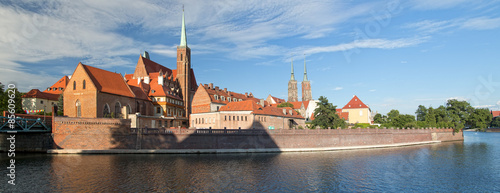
{"type": "Point", "coordinates": [469, 166]}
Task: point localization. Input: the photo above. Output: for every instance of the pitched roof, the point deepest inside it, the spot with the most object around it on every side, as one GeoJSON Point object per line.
{"type": "Point", "coordinates": [59, 86]}
{"type": "Point", "coordinates": [159, 90]}
{"type": "Point", "coordinates": [226, 94]}
{"type": "Point", "coordinates": [355, 103]}
{"type": "Point", "coordinates": [278, 100]}
{"type": "Point", "coordinates": [495, 113]}
{"type": "Point", "coordinates": [35, 93]}
{"type": "Point", "coordinates": [108, 82]}
{"type": "Point", "coordinates": [296, 105]}
{"type": "Point", "coordinates": [146, 66]}
{"type": "Point", "coordinates": [250, 105]}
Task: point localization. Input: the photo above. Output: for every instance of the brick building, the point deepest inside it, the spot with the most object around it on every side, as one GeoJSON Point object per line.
{"type": "Point", "coordinates": [36, 101]}
{"type": "Point", "coordinates": [248, 115]}
{"type": "Point", "coordinates": [96, 93]}
{"type": "Point", "coordinates": [210, 99]}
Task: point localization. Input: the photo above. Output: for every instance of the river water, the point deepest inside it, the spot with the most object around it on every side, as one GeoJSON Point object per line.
{"type": "Point", "coordinates": [469, 166]}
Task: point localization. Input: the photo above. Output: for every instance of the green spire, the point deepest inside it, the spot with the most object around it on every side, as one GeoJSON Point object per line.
{"type": "Point", "coordinates": [293, 76]}
{"type": "Point", "coordinates": [305, 70]}
{"type": "Point", "coordinates": [183, 31]}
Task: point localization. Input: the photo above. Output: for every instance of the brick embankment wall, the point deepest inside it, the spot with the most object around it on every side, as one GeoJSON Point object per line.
{"type": "Point", "coordinates": [26, 142]}
{"type": "Point", "coordinates": [102, 134]}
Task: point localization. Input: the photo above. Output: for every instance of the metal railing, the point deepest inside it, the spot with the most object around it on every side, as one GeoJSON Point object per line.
{"type": "Point", "coordinates": [25, 124]}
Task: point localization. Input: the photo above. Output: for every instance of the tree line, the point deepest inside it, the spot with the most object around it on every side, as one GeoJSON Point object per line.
{"type": "Point", "coordinates": [4, 99]}
{"type": "Point", "coordinates": [455, 114]}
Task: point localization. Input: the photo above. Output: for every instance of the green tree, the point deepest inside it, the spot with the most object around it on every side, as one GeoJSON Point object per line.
{"type": "Point", "coordinates": [421, 113]}
{"type": "Point", "coordinates": [480, 119]}
{"type": "Point", "coordinates": [60, 105]}
{"type": "Point", "coordinates": [495, 123]}
{"type": "Point", "coordinates": [325, 115]}
{"type": "Point", "coordinates": [285, 104]}
{"type": "Point", "coordinates": [404, 121]}
{"type": "Point", "coordinates": [430, 120]}
{"type": "Point", "coordinates": [378, 118]}
{"type": "Point", "coordinates": [3, 97]}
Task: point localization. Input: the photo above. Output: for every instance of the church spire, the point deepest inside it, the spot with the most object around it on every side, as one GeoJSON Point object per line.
{"type": "Point", "coordinates": [183, 31]}
{"type": "Point", "coordinates": [305, 70]}
{"type": "Point", "coordinates": [293, 76]}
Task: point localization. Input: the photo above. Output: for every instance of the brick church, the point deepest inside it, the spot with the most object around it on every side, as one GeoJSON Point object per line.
{"type": "Point", "coordinates": [153, 96]}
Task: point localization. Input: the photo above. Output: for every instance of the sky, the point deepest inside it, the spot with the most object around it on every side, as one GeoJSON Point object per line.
{"type": "Point", "coordinates": [391, 54]}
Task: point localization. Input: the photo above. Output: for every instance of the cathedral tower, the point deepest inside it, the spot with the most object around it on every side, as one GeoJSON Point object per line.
{"type": "Point", "coordinates": [184, 68]}
{"type": "Point", "coordinates": [306, 85]}
{"type": "Point", "coordinates": [293, 93]}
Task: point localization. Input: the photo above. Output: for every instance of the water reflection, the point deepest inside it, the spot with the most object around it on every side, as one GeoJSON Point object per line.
{"type": "Point", "coordinates": [445, 167]}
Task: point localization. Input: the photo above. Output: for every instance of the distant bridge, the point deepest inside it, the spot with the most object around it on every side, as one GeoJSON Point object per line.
{"type": "Point", "coordinates": [26, 123]}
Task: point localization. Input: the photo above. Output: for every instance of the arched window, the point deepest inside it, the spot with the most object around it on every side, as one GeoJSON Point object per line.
{"type": "Point", "coordinates": [78, 108]}
{"type": "Point", "coordinates": [118, 109]}
{"type": "Point", "coordinates": [106, 112]}
{"type": "Point", "coordinates": [129, 110]}
{"type": "Point", "coordinates": [181, 56]}
{"type": "Point", "coordinates": [137, 107]}
{"type": "Point", "coordinates": [74, 85]}
{"type": "Point", "coordinates": [84, 84]}
{"type": "Point", "coordinates": [143, 108]}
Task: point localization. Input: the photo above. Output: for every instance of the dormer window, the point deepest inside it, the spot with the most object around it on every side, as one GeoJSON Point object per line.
{"type": "Point", "coordinates": [49, 89]}
{"type": "Point", "coordinates": [229, 99]}
{"type": "Point", "coordinates": [284, 111]}
{"type": "Point", "coordinates": [223, 98]}
{"type": "Point", "coordinates": [290, 112]}
{"type": "Point", "coordinates": [216, 97]}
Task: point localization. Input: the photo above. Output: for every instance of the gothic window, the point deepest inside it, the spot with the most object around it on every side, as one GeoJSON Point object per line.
{"type": "Point", "coordinates": [129, 109]}
{"type": "Point", "coordinates": [118, 108]}
{"type": "Point", "coordinates": [137, 106]}
{"type": "Point", "coordinates": [106, 111]}
{"type": "Point", "coordinates": [78, 108]}
{"type": "Point", "coordinates": [74, 85]}
{"type": "Point", "coordinates": [143, 108]}
{"type": "Point", "coordinates": [84, 84]}
{"type": "Point", "coordinates": [181, 56]}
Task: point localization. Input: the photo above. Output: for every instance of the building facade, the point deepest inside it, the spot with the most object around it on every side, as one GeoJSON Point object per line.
{"type": "Point", "coordinates": [248, 115]}
{"type": "Point", "coordinates": [36, 101]}
{"type": "Point", "coordinates": [357, 111]}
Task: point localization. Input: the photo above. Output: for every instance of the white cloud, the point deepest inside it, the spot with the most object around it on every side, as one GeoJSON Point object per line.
{"type": "Point", "coordinates": [432, 4]}
{"type": "Point", "coordinates": [482, 23]}
{"type": "Point", "coordinates": [369, 43]}
{"type": "Point", "coordinates": [372, 90]}
{"type": "Point", "coordinates": [338, 88]}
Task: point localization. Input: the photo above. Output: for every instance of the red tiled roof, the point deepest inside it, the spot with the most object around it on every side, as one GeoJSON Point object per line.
{"type": "Point", "coordinates": [59, 86]}
{"type": "Point", "coordinates": [296, 105]}
{"type": "Point", "coordinates": [219, 92]}
{"type": "Point", "coordinates": [495, 113]}
{"type": "Point", "coordinates": [306, 104]}
{"type": "Point", "coordinates": [35, 93]}
{"type": "Point", "coordinates": [278, 100]}
{"type": "Point", "coordinates": [108, 82]}
{"type": "Point", "coordinates": [355, 103]}
{"type": "Point", "coordinates": [152, 66]}
{"type": "Point", "coordinates": [250, 105]}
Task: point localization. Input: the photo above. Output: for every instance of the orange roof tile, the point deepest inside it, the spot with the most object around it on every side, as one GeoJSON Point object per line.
{"type": "Point", "coordinates": [296, 105]}
{"type": "Point", "coordinates": [250, 105]}
{"type": "Point", "coordinates": [108, 82]}
{"type": "Point", "coordinates": [278, 100]}
{"type": "Point", "coordinates": [59, 86]}
{"type": "Point", "coordinates": [355, 103]}
{"type": "Point", "coordinates": [35, 93]}
{"type": "Point", "coordinates": [152, 66]}
{"type": "Point", "coordinates": [219, 92]}
{"type": "Point", "coordinates": [495, 113]}
{"type": "Point", "coordinates": [306, 104]}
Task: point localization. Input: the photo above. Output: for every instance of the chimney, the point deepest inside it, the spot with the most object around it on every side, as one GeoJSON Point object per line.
{"type": "Point", "coordinates": [262, 102]}
{"type": "Point", "coordinates": [139, 80]}
{"type": "Point", "coordinates": [246, 95]}
{"type": "Point", "coordinates": [216, 88]}
{"type": "Point", "coordinates": [211, 85]}
{"type": "Point", "coordinates": [225, 89]}
{"type": "Point", "coordinates": [205, 85]}
{"type": "Point", "coordinates": [146, 79]}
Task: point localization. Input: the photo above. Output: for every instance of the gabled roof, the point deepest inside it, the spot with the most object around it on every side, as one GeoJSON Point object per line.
{"type": "Point", "coordinates": [250, 105]}
{"type": "Point", "coordinates": [278, 100]}
{"type": "Point", "coordinates": [296, 105]}
{"type": "Point", "coordinates": [355, 103]}
{"type": "Point", "coordinates": [495, 113]}
{"type": "Point", "coordinates": [108, 82]}
{"type": "Point", "coordinates": [226, 94]}
{"type": "Point", "coordinates": [146, 66]}
{"type": "Point", "coordinates": [35, 93]}
{"type": "Point", "coordinates": [59, 86]}
{"type": "Point", "coordinates": [159, 90]}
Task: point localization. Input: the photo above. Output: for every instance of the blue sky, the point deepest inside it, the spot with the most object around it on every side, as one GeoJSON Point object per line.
{"type": "Point", "coordinates": [391, 54]}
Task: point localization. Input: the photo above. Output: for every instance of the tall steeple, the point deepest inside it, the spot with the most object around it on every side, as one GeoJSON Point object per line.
{"type": "Point", "coordinates": [293, 93]}
{"type": "Point", "coordinates": [305, 70]}
{"type": "Point", "coordinates": [306, 85]}
{"type": "Point", "coordinates": [183, 30]}
{"type": "Point", "coordinates": [184, 75]}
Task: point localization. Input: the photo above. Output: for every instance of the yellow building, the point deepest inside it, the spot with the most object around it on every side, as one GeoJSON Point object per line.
{"type": "Point", "coordinates": [358, 111]}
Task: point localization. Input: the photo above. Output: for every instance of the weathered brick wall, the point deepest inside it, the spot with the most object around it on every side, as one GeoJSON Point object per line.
{"type": "Point", "coordinates": [92, 133]}
{"type": "Point", "coordinates": [26, 142]}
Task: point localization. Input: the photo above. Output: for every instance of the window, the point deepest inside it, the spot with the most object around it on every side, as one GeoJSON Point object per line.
{"type": "Point", "coordinates": [78, 109]}
{"type": "Point", "coordinates": [216, 97]}
{"type": "Point", "coordinates": [118, 108]}
{"type": "Point", "coordinates": [49, 89]}
{"type": "Point", "coordinates": [181, 56]}
{"type": "Point", "coordinates": [158, 110]}
{"type": "Point", "coordinates": [84, 84]}
{"type": "Point", "coordinates": [229, 99]}
{"type": "Point", "coordinates": [218, 108]}
{"type": "Point", "coordinates": [105, 111]}
{"type": "Point", "coordinates": [360, 113]}
{"type": "Point", "coordinates": [74, 85]}
{"type": "Point", "coordinates": [129, 109]}
{"type": "Point", "coordinates": [238, 118]}
{"type": "Point", "coordinates": [223, 98]}
{"type": "Point", "coordinates": [41, 101]}
{"type": "Point", "coordinates": [245, 118]}
{"type": "Point", "coordinates": [234, 119]}
{"type": "Point", "coordinates": [225, 118]}
{"type": "Point", "coordinates": [229, 118]}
